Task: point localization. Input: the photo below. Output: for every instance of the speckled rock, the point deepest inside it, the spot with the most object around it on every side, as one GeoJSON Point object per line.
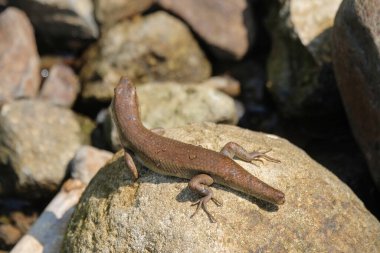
{"type": "Point", "coordinates": [321, 214]}
{"type": "Point", "coordinates": [165, 105]}
{"type": "Point", "coordinates": [356, 44]}
{"type": "Point", "coordinates": [61, 87]}
{"type": "Point", "coordinates": [37, 142]}
{"type": "Point", "coordinates": [228, 37]}
{"type": "Point", "coordinates": [143, 49]}
{"type": "Point", "coordinates": [300, 75]}
{"type": "Point", "coordinates": [61, 23]}
{"type": "Point", "coordinates": [108, 12]}
{"type": "Point", "coordinates": [19, 60]}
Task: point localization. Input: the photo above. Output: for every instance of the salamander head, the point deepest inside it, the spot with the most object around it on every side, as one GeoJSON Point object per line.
{"type": "Point", "coordinates": [125, 89]}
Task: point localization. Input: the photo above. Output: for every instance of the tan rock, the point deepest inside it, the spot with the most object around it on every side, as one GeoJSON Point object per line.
{"type": "Point", "coordinates": [356, 43]}
{"type": "Point", "coordinates": [143, 50]}
{"type": "Point", "coordinates": [226, 25]}
{"type": "Point", "coordinates": [321, 214]}
{"type": "Point", "coordinates": [19, 60]}
{"type": "Point", "coordinates": [108, 12]}
{"type": "Point", "coordinates": [61, 87]}
{"type": "Point", "coordinates": [38, 142]}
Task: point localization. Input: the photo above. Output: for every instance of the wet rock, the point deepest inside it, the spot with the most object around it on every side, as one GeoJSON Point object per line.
{"type": "Point", "coordinates": [321, 214]}
{"type": "Point", "coordinates": [356, 44]}
{"type": "Point", "coordinates": [143, 50]}
{"type": "Point", "coordinates": [87, 162]}
{"type": "Point", "coordinates": [61, 87]}
{"type": "Point", "coordinates": [38, 141]}
{"type": "Point", "coordinates": [165, 105]}
{"type": "Point", "coordinates": [108, 12]}
{"type": "Point", "coordinates": [61, 24]}
{"type": "Point", "coordinates": [229, 37]}
{"type": "Point", "coordinates": [299, 67]}
{"type": "Point", "coordinates": [19, 60]}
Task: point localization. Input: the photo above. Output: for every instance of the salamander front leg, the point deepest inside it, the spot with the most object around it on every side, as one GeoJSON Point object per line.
{"type": "Point", "coordinates": [232, 149]}
{"type": "Point", "coordinates": [199, 184]}
{"type": "Point", "coordinates": [131, 165]}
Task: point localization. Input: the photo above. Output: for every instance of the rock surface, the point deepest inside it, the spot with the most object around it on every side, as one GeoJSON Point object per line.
{"type": "Point", "coordinates": [143, 49]}
{"type": "Point", "coordinates": [61, 87]}
{"type": "Point", "coordinates": [356, 43]}
{"type": "Point", "coordinates": [38, 141]}
{"type": "Point", "coordinates": [230, 36]}
{"type": "Point", "coordinates": [19, 60]}
{"type": "Point", "coordinates": [321, 214]}
{"type": "Point", "coordinates": [165, 105]}
{"type": "Point", "coordinates": [61, 23]}
{"type": "Point", "coordinates": [299, 67]}
{"type": "Point", "coordinates": [108, 12]}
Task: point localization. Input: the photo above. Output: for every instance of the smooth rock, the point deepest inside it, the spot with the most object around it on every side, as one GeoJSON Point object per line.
{"type": "Point", "coordinates": [143, 50]}
{"type": "Point", "coordinates": [300, 75]}
{"type": "Point", "coordinates": [230, 36]}
{"type": "Point", "coordinates": [321, 214]}
{"type": "Point", "coordinates": [61, 23]}
{"type": "Point", "coordinates": [19, 60]}
{"type": "Point", "coordinates": [356, 44]}
{"type": "Point", "coordinates": [38, 142]}
{"type": "Point", "coordinates": [165, 105]}
{"type": "Point", "coordinates": [108, 12]}
{"type": "Point", "coordinates": [61, 87]}
{"type": "Point", "coordinates": [87, 162]}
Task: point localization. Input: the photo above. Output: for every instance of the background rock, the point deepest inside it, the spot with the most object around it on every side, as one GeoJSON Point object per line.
{"type": "Point", "coordinates": [19, 61]}
{"type": "Point", "coordinates": [37, 142]}
{"type": "Point", "coordinates": [229, 37]}
{"type": "Point", "coordinates": [144, 50]}
{"type": "Point", "coordinates": [61, 23]}
{"type": "Point", "coordinates": [321, 214]}
{"type": "Point", "coordinates": [108, 12]}
{"type": "Point", "coordinates": [61, 87]}
{"type": "Point", "coordinates": [356, 44]}
{"type": "Point", "coordinates": [299, 66]}
{"type": "Point", "coordinates": [165, 105]}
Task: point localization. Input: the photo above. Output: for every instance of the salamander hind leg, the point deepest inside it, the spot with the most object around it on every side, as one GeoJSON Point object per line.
{"type": "Point", "coordinates": [131, 165]}
{"type": "Point", "coordinates": [232, 149]}
{"type": "Point", "coordinates": [200, 184]}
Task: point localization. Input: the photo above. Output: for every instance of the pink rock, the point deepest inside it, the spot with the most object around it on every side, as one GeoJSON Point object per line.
{"type": "Point", "coordinates": [19, 60]}
{"type": "Point", "coordinates": [61, 86]}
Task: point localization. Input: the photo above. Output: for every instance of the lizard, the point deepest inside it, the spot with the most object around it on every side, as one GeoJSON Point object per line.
{"type": "Point", "coordinates": [174, 158]}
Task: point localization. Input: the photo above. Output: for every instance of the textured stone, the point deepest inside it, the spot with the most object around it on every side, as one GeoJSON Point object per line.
{"type": "Point", "coordinates": [19, 60]}
{"type": "Point", "coordinates": [143, 49]}
{"type": "Point", "coordinates": [165, 105]}
{"type": "Point", "coordinates": [299, 67]}
{"type": "Point", "coordinates": [321, 214]}
{"type": "Point", "coordinates": [61, 87]}
{"type": "Point", "coordinates": [230, 36]}
{"type": "Point", "coordinates": [61, 23]}
{"type": "Point", "coordinates": [356, 44]}
{"type": "Point", "coordinates": [38, 141]}
{"type": "Point", "coordinates": [108, 12]}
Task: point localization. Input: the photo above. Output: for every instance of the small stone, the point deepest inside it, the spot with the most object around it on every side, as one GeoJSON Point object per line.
{"type": "Point", "coordinates": [143, 50]}
{"type": "Point", "coordinates": [231, 36]}
{"type": "Point", "coordinates": [38, 142]}
{"type": "Point", "coordinates": [9, 234]}
{"type": "Point", "coordinates": [61, 86]}
{"type": "Point", "coordinates": [19, 60]}
{"type": "Point", "coordinates": [356, 44]}
{"type": "Point", "coordinates": [321, 214]}
{"type": "Point", "coordinates": [108, 12]}
{"type": "Point", "coordinates": [87, 162]}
